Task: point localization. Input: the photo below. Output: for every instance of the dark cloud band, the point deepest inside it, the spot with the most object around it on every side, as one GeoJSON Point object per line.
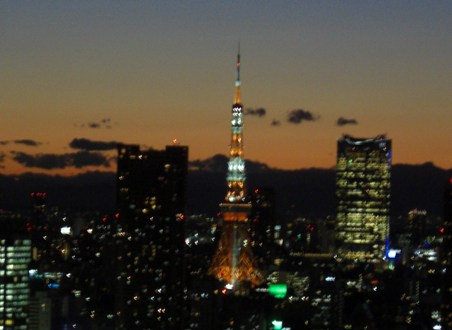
{"type": "Point", "coordinates": [60, 161]}
{"type": "Point", "coordinates": [89, 145]}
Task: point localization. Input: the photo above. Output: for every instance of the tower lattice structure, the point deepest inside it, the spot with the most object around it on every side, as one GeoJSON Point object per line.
{"type": "Point", "coordinates": [233, 262]}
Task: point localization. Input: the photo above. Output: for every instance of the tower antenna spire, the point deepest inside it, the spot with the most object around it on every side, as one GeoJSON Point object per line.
{"type": "Point", "coordinates": [237, 80]}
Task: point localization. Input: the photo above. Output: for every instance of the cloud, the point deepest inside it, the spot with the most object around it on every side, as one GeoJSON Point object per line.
{"type": "Point", "coordinates": [341, 121]}
{"type": "Point", "coordinates": [259, 112]}
{"type": "Point", "coordinates": [28, 142]}
{"type": "Point", "coordinates": [89, 145]}
{"type": "Point", "coordinates": [25, 142]}
{"type": "Point", "coordinates": [275, 122]}
{"type": "Point", "coordinates": [103, 123]}
{"type": "Point", "coordinates": [93, 125]}
{"type": "Point", "coordinates": [59, 161]}
{"type": "Point", "coordinates": [85, 158]}
{"type": "Point", "coordinates": [299, 115]}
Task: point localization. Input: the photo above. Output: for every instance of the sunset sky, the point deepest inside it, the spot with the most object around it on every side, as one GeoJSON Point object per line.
{"type": "Point", "coordinates": [78, 76]}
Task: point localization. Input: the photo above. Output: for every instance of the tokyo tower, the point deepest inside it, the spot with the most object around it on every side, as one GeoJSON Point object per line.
{"type": "Point", "coordinates": [233, 261]}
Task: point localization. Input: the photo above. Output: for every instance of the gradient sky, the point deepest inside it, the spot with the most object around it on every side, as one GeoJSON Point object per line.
{"type": "Point", "coordinates": [158, 70]}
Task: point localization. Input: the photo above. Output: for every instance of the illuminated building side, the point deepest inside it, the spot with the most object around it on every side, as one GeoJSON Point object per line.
{"type": "Point", "coordinates": [363, 173]}
{"type": "Point", "coordinates": [15, 256]}
{"type": "Point", "coordinates": [233, 261]}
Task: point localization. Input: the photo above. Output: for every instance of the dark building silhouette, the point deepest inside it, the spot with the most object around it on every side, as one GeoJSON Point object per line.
{"type": "Point", "coordinates": [149, 237]}
{"type": "Point", "coordinates": [363, 173]}
{"type": "Point", "coordinates": [39, 227]}
{"type": "Point", "coordinates": [262, 225]}
{"type": "Point", "coordinates": [446, 231]}
{"type": "Point", "coordinates": [420, 227]}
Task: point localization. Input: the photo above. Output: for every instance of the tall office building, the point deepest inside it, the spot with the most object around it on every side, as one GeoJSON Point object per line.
{"type": "Point", "coordinates": [150, 237]}
{"type": "Point", "coordinates": [15, 256]}
{"type": "Point", "coordinates": [233, 262]}
{"type": "Point", "coordinates": [262, 225]}
{"type": "Point", "coordinates": [446, 257]}
{"type": "Point", "coordinates": [363, 174]}
{"type": "Point", "coordinates": [419, 227]}
{"type": "Point", "coordinates": [40, 311]}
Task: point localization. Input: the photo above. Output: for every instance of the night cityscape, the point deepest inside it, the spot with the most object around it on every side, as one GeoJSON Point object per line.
{"type": "Point", "coordinates": [99, 233]}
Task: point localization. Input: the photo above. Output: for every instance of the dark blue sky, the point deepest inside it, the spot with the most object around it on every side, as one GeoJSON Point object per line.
{"type": "Point", "coordinates": [164, 70]}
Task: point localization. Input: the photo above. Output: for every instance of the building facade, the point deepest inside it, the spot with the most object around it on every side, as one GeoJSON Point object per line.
{"type": "Point", "coordinates": [262, 226]}
{"type": "Point", "coordinates": [363, 174]}
{"type": "Point", "coordinates": [446, 258]}
{"type": "Point", "coordinates": [15, 257]}
{"type": "Point", "coordinates": [149, 237]}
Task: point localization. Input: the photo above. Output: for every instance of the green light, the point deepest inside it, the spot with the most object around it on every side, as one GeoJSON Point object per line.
{"type": "Point", "coordinates": [277, 325]}
{"type": "Point", "coordinates": [391, 265]}
{"type": "Point", "coordinates": [278, 290]}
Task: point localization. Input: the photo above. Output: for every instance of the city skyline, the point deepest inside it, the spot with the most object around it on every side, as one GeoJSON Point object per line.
{"type": "Point", "coordinates": [79, 77]}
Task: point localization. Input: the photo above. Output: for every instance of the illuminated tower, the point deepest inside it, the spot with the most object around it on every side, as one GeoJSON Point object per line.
{"type": "Point", "coordinates": [363, 174]}
{"type": "Point", "coordinates": [233, 262]}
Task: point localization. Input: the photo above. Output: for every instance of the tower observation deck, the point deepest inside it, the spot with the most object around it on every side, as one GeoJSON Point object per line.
{"type": "Point", "coordinates": [233, 261]}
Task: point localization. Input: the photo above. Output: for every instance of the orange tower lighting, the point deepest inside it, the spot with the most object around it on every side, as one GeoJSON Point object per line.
{"type": "Point", "coordinates": [233, 262]}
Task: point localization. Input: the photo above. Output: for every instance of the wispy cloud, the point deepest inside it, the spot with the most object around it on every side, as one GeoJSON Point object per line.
{"type": "Point", "coordinates": [275, 122]}
{"type": "Point", "coordinates": [93, 125]}
{"type": "Point", "coordinates": [98, 124]}
{"type": "Point", "coordinates": [259, 112]}
{"type": "Point", "coordinates": [25, 142]}
{"type": "Point", "coordinates": [341, 121]}
{"type": "Point", "coordinates": [297, 116]}
{"type": "Point", "coordinates": [28, 142]}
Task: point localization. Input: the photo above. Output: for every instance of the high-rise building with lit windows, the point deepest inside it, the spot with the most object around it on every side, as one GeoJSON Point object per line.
{"type": "Point", "coordinates": [149, 282]}
{"type": "Point", "coordinates": [363, 174]}
{"type": "Point", "coordinates": [15, 256]}
{"type": "Point", "coordinates": [262, 225]}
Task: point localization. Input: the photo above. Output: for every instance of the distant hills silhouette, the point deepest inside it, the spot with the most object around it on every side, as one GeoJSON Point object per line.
{"type": "Point", "coordinates": [303, 192]}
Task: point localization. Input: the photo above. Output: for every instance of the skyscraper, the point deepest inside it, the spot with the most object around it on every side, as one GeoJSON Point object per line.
{"type": "Point", "coordinates": [363, 174]}
{"type": "Point", "coordinates": [262, 225]}
{"type": "Point", "coordinates": [446, 257]}
{"type": "Point", "coordinates": [150, 237]}
{"type": "Point", "coordinates": [15, 256]}
{"type": "Point", "coordinates": [233, 262]}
